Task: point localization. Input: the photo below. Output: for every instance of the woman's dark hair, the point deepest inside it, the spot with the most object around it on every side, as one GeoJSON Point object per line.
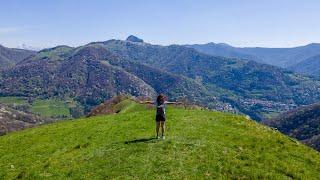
{"type": "Point", "coordinates": [160, 99]}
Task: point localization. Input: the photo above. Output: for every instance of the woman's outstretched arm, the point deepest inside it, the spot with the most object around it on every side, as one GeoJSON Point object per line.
{"type": "Point", "coordinates": [146, 102]}
{"type": "Point", "coordinates": [168, 102]}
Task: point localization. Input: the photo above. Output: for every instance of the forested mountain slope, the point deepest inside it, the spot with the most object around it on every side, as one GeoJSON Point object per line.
{"type": "Point", "coordinates": [100, 70]}
{"type": "Point", "coordinates": [10, 56]}
{"type": "Point", "coordinates": [282, 57]}
{"type": "Point", "coordinates": [302, 123]}
{"type": "Point", "coordinates": [310, 66]}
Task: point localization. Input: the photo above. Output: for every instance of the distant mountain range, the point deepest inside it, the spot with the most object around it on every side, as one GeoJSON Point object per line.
{"type": "Point", "coordinates": [281, 57]}
{"type": "Point", "coordinates": [302, 59]}
{"type": "Point", "coordinates": [302, 123]}
{"type": "Point", "coordinates": [310, 66]}
{"type": "Point", "coordinates": [97, 71]}
{"type": "Point", "coordinates": [10, 56]}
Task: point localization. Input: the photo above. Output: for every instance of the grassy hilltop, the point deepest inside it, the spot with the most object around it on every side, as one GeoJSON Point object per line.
{"type": "Point", "coordinates": [199, 144]}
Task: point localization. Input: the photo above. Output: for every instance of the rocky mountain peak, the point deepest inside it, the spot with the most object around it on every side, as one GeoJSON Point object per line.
{"type": "Point", "coordinates": [132, 38]}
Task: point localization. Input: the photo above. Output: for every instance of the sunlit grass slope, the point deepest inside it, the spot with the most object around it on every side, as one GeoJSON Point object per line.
{"type": "Point", "coordinates": [199, 144]}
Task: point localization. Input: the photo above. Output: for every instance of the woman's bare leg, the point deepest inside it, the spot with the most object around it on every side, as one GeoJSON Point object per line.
{"type": "Point", "coordinates": [157, 127]}
{"type": "Point", "coordinates": [163, 127]}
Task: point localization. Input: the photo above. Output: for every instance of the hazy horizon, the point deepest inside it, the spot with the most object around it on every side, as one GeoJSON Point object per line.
{"type": "Point", "coordinates": [248, 23]}
{"type": "Point", "coordinates": [37, 48]}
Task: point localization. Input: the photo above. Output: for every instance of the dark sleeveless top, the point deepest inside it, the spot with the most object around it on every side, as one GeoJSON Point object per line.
{"type": "Point", "coordinates": [161, 110]}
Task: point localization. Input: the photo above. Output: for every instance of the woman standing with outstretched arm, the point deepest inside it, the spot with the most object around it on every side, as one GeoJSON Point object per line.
{"type": "Point", "coordinates": [160, 113]}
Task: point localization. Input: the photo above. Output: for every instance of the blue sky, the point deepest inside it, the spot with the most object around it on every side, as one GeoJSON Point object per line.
{"type": "Point", "coordinates": [272, 23]}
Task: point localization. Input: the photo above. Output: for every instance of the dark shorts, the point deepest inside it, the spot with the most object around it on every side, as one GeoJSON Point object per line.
{"type": "Point", "coordinates": [160, 118]}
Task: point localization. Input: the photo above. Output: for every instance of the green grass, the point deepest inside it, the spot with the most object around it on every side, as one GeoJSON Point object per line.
{"type": "Point", "coordinates": [54, 54]}
{"type": "Point", "coordinates": [44, 107]}
{"type": "Point", "coordinates": [199, 145]}
{"type": "Point", "coordinates": [127, 106]}
{"type": "Point", "coordinates": [13, 100]}
{"type": "Point", "coordinates": [50, 108]}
